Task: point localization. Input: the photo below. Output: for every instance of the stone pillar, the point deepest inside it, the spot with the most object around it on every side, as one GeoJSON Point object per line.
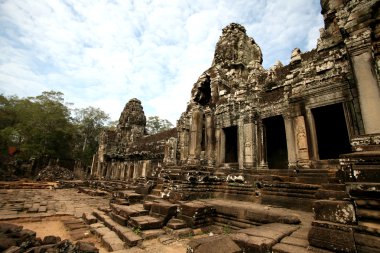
{"type": "Point", "coordinates": [302, 145]}
{"type": "Point", "coordinates": [210, 138]}
{"type": "Point", "coordinates": [218, 147]}
{"type": "Point", "coordinates": [249, 144]}
{"type": "Point", "coordinates": [313, 137]}
{"type": "Point", "coordinates": [184, 135]}
{"type": "Point", "coordinates": [240, 143]}
{"type": "Point", "coordinates": [196, 135]}
{"type": "Point", "coordinates": [130, 170]}
{"type": "Point", "coordinates": [290, 141]}
{"type": "Point", "coordinates": [261, 146]}
{"type": "Point", "coordinates": [360, 49]}
{"type": "Point", "coordinates": [135, 170]}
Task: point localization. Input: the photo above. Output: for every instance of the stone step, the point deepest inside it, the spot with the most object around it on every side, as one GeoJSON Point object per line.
{"type": "Point", "coordinates": [317, 179]}
{"type": "Point", "coordinates": [124, 233]}
{"type": "Point", "coordinates": [295, 241]}
{"type": "Point", "coordinates": [131, 196]}
{"type": "Point", "coordinates": [262, 238]}
{"type": "Point", "coordinates": [331, 194]}
{"type": "Point", "coordinates": [334, 187]}
{"type": "Point", "coordinates": [128, 211]}
{"type": "Point", "coordinates": [109, 239]}
{"type": "Point", "coordinates": [287, 248]}
{"type": "Point", "coordinates": [151, 233]}
{"type": "Point", "coordinates": [174, 223]}
{"type": "Point", "coordinates": [89, 218]}
{"type": "Point", "coordinates": [145, 222]}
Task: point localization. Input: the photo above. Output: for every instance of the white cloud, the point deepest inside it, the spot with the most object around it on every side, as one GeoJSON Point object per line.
{"type": "Point", "coordinates": [103, 53]}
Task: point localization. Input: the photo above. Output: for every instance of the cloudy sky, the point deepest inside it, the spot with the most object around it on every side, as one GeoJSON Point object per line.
{"type": "Point", "coordinates": [102, 53]}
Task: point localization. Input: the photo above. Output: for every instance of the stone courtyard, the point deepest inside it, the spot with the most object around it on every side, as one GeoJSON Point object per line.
{"type": "Point", "coordinates": [280, 160]}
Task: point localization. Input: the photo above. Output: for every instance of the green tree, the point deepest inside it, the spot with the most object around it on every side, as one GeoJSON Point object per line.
{"type": "Point", "coordinates": [89, 122]}
{"type": "Point", "coordinates": [155, 125]}
{"type": "Point", "coordinates": [37, 126]}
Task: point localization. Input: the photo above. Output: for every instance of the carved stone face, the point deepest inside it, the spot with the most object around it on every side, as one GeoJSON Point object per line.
{"type": "Point", "coordinates": [236, 48]}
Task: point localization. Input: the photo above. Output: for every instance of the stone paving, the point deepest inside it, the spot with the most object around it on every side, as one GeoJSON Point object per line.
{"type": "Point", "coordinates": [29, 203]}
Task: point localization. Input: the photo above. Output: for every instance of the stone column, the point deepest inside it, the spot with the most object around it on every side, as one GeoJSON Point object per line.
{"type": "Point", "coordinates": [360, 49]}
{"type": "Point", "coordinates": [196, 135]}
{"type": "Point", "coordinates": [240, 143]}
{"type": "Point", "coordinates": [249, 144]}
{"type": "Point", "coordinates": [218, 147]}
{"type": "Point", "coordinates": [290, 141]}
{"type": "Point", "coordinates": [184, 144]}
{"type": "Point", "coordinates": [313, 136]}
{"type": "Point", "coordinates": [261, 146]}
{"type": "Point", "coordinates": [210, 137]}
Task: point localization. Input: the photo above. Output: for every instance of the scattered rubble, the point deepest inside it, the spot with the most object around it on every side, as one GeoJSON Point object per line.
{"type": "Point", "coordinates": [14, 238]}
{"type": "Point", "coordinates": [54, 173]}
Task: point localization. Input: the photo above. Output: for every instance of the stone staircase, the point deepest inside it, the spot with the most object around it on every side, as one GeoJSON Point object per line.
{"type": "Point", "coordinates": [347, 218]}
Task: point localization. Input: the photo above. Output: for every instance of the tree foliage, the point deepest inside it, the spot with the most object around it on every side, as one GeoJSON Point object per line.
{"type": "Point", "coordinates": [155, 125]}
{"type": "Point", "coordinates": [89, 122]}
{"type": "Point", "coordinates": [44, 126]}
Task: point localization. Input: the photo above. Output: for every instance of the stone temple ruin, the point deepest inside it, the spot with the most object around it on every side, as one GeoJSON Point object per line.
{"type": "Point", "coordinates": [281, 160]}
{"type": "Point", "coordinates": [304, 136]}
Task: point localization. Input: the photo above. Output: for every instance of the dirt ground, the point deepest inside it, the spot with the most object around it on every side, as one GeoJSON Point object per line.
{"type": "Point", "coordinates": [55, 227]}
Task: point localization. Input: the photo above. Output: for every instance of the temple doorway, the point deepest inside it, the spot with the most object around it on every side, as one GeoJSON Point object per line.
{"type": "Point", "coordinates": [331, 130]}
{"type": "Point", "coordinates": [231, 148]}
{"type": "Point", "coordinates": [276, 149]}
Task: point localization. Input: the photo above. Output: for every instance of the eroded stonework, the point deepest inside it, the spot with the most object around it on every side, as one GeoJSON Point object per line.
{"type": "Point", "coordinates": [300, 135]}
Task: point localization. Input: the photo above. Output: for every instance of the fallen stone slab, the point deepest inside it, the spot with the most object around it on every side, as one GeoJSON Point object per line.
{"type": "Point", "coordinates": [85, 247]}
{"type": "Point", "coordinates": [213, 244]}
{"type": "Point", "coordinates": [287, 248]}
{"type": "Point", "coordinates": [253, 244]}
{"type": "Point", "coordinates": [275, 231]}
{"type": "Point", "coordinates": [79, 234]}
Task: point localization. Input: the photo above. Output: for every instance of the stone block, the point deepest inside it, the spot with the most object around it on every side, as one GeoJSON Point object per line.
{"type": "Point", "coordinates": [176, 224]}
{"type": "Point", "coordinates": [367, 241]}
{"type": "Point", "coordinates": [112, 242]}
{"type": "Point", "coordinates": [253, 244]}
{"type": "Point", "coordinates": [342, 212]}
{"type": "Point", "coordinates": [152, 233]}
{"type": "Point", "coordinates": [145, 222]}
{"type": "Point", "coordinates": [287, 248]}
{"type": "Point", "coordinates": [332, 236]}
{"type": "Point", "coordinates": [213, 244]}
{"type": "Point", "coordinates": [50, 239]}
{"type": "Point", "coordinates": [89, 218]}
{"type": "Point", "coordinates": [119, 219]}
{"type": "Point", "coordinates": [275, 231]}
{"type": "Point", "coordinates": [85, 247]}
{"type": "Point", "coordinates": [295, 241]}
{"type": "Point", "coordinates": [79, 234]}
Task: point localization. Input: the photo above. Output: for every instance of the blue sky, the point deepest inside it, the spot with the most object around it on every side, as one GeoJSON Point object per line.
{"type": "Point", "coordinates": [102, 53]}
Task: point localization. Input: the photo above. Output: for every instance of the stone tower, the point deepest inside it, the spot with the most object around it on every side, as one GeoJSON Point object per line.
{"type": "Point", "coordinates": [132, 122]}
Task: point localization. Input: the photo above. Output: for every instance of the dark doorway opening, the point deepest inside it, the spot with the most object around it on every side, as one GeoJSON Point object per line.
{"type": "Point", "coordinates": [331, 129]}
{"type": "Point", "coordinates": [231, 135]}
{"type": "Point", "coordinates": [277, 151]}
